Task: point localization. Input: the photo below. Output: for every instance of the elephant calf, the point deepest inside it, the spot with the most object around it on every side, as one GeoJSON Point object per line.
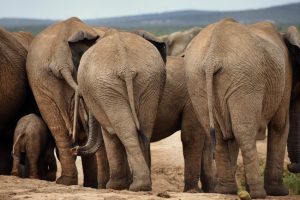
{"type": "Point", "coordinates": [33, 139]}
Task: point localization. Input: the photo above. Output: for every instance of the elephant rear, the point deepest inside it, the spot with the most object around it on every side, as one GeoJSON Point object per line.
{"type": "Point", "coordinates": [121, 79]}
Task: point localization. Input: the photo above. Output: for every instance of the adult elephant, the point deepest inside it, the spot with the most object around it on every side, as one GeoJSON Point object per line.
{"type": "Point", "coordinates": [121, 79]}
{"type": "Point", "coordinates": [244, 74]}
{"type": "Point", "coordinates": [178, 41]}
{"type": "Point", "coordinates": [175, 112]}
{"type": "Point", "coordinates": [52, 63]}
{"type": "Point", "coordinates": [14, 92]}
{"type": "Point", "coordinates": [292, 40]}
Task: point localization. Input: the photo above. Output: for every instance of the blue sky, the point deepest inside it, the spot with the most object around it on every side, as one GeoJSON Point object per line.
{"type": "Point", "coordinates": [86, 9]}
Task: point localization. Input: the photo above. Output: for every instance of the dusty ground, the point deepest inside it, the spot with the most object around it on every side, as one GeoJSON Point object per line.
{"type": "Point", "coordinates": [167, 175]}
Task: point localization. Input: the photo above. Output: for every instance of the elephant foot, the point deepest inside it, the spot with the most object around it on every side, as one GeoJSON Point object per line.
{"type": "Point", "coordinates": [118, 184]}
{"type": "Point", "coordinates": [226, 188]}
{"type": "Point", "coordinates": [91, 184]}
{"type": "Point", "coordinates": [209, 187]}
{"type": "Point", "coordinates": [294, 167]}
{"type": "Point", "coordinates": [140, 185]}
{"type": "Point", "coordinates": [34, 177]}
{"type": "Point", "coordinates": [191, 188]}
{"type": "Point", "coordinates": [67, 180]}
{"type": "Point", "coordinates": [15, 172]}
{"type": "Point", "coordinates": [258, 193]}
{"type": "Point", "coordinates": [51, 176]}
{"type": "Point", "coordinates": [276, 190]}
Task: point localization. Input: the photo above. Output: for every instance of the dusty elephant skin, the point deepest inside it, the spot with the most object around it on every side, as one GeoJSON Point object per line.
{"type": "Point", "coordinates": [244, 75]}
{"type": "Point", "coordinates": [52, 63]}
{"type": "Point", "coordinates": [175, 113]}
{"type": "Point", "coordinates": [121, 79]}
{"type": "Point", "coordinates": [293, 42]}
{"type": "Point", "coordinates": [33, 138]}
{"type": "Point", "coordinates": [14, 91]}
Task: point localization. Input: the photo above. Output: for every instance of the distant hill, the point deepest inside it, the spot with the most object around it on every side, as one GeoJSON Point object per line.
{"type": "Point", "coordinates": [286, 14]}
{"type": "Point", "coordinates": [281, 15]}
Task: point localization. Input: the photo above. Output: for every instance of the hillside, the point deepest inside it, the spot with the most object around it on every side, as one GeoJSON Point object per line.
{"type": "Point", "coordinates": [170, 21]}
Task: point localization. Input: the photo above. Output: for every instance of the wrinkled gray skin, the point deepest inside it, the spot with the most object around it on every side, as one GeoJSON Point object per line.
{"type": "Point", "coordinates": [14, 91]}
{"type": "Point", "coordinates": [293, 42]}
{"type": "Point", "coordinates": [33, 140]}
{"type": "Point", "coordinates": [178, 41]}
{"type": "Point", "coordinates": [244, 75]}
{"type": "Point", "coordinates": [121, 80]}
{"type": "Point", "coordinates": [52, 63]}
{"type": "Point", "coordinates": [175, 113]}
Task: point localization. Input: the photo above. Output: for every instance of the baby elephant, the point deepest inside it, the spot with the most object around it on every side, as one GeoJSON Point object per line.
{"type": "Point", "coordinates": [33, 147]}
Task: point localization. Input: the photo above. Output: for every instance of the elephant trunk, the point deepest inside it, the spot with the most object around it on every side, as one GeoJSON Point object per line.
{"type": "Point", "coordinates": [294, 142]}
{"type": "Point", "coordinates": [94, 140]}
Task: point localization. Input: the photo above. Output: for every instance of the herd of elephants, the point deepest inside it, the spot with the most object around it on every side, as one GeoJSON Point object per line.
{"type": "Point", "coordinates": [105, 94]}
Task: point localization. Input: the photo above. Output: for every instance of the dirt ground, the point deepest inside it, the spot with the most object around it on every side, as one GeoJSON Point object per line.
{"type": "Point", "coordinates": [167, 180]}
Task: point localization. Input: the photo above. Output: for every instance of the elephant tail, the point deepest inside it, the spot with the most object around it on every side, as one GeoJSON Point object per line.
{"type": "Point", "coordinates": [17, 142]}
{"type": "Point", "coordinates": [209, 75]}
{"type": "Point", "coordinates": [129, 85]}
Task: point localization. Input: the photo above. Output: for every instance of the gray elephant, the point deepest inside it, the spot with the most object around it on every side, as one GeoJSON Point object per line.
{"type": "Point", "coordinates": [52, 64]}
{"type": "Point", "coordinates": [14, 92]}
{"type": "Point", "coordinates": [292, 40]}
{"type": "Point", "coordinates": [178, 41]}
{"type": "Point", "coordinates": [175, 113]}
{"type": "Point", "coordinates": [121, 79]}
{"type": "Point", "coordinates": [244, 74]}
{"type": "Point", "coordinates": [32, 139]}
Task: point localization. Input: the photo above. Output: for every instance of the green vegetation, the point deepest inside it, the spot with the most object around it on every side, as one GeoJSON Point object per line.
{"type": "Point", "coordinates": [292, 181]}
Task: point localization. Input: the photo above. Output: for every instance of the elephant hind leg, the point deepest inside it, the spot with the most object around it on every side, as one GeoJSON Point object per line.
{"type": "Point", "coordinates": [120, 117]}
{"type": "Point", "coordinates": [208, 168]}
{"type": "Point", "coordinates": [60, 133]}
{"type": "Point", "coordinates": [33, 153]}
{"type": "Point", "coordinates": [16, 154]}
{"type": "Point", "coordinates": [225, 157]}
{"type": "Point", "coordinates": [278, 129]}
{"type": "Point", "coordinates": [192, 138]}
{"type": "Point", "coordinates": [120, 176]}
{"type": "Point", "coordinates": [245, 111]}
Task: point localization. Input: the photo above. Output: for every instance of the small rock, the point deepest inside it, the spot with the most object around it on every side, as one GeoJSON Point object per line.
{"type": "Point", "coordinates": [164, 194]}
{"type": "Point", "coordinates": [244, 195]}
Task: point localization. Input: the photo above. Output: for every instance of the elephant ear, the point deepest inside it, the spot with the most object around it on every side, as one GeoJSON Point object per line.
{"type": "Point", "coordinates": [158, 43]}
{"type": "Point", "coordinates": [291, 39]}
{"type": "Point", "coordinates": [83, 35]}
{"type": "Point", "coordinates": [79, 42]}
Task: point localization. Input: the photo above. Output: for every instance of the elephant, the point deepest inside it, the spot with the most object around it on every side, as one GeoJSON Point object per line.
{"type": "Point", "coordinates": [243, 73]}
{"type": "Point", "coordinates": [14, 91]}
{"type": "Point", "coordinates": [175, 112]}
{"type": "Point", "coordinates": [52, 63]}
{"type": "Point", "coordinates": [24, 38]}
{"type": "Point", "coordinates": [178, 41]}
{"type": "Point", "coordinates": [33, 140]}
{"type": "Point", "coordinates": [293, 43]}
{"type": "Point", "coordinates": [121, 79]}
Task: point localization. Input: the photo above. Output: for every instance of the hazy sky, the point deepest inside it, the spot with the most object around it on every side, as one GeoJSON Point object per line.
{"type": "Point", "coordinates": [85, 9]}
